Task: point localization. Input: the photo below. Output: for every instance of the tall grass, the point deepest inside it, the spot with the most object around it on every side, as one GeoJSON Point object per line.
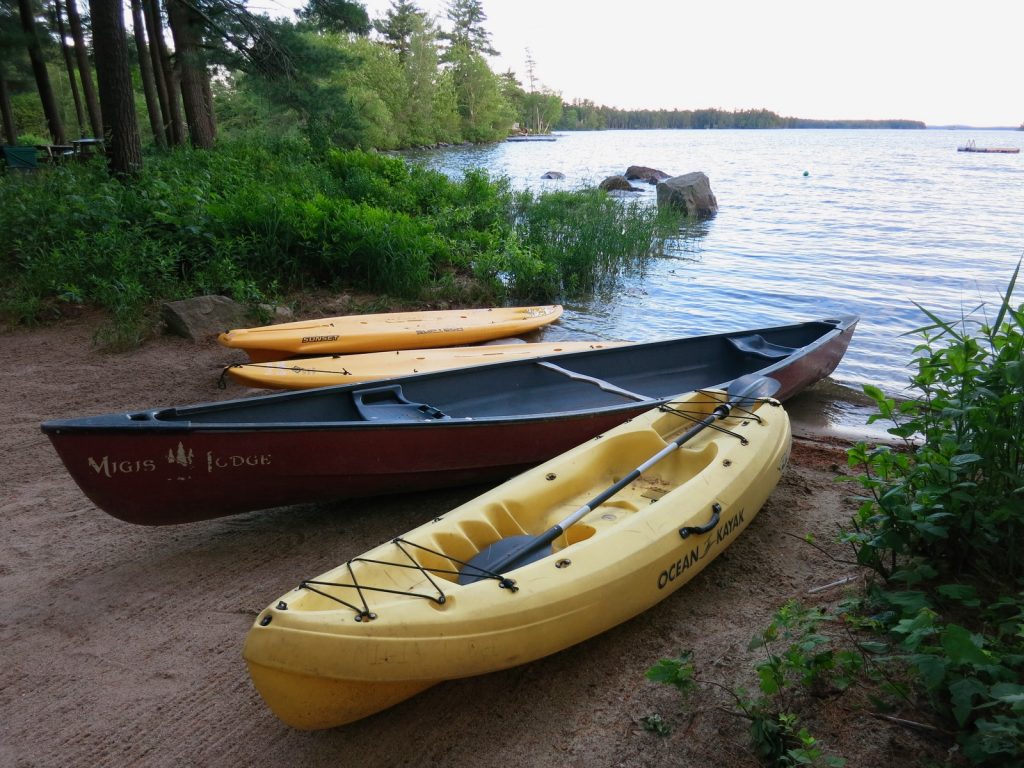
{"type": "Point", "coordinates": [586, 240]}
{"type": "Point", "coordinates": [260, 219]}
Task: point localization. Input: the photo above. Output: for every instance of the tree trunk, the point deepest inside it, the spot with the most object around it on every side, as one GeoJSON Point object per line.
{"type": "Point", "coordinates": [35, 54]}
{"type": "Point", "coordinates": [172, 118]}
{"type": "Point", "coordinates": [10, 129]}
{"type": "Point", "coordinates": [84, 69]}
{"type": "Point", "coordinates": [57, 16]}
{"type": "Point", "coordinates": [208, 99]}
{"type": "Point", "coordinates": [154, 30]}
{"type": "Point", "coordinates": [185, 27]}
{"type": "Point", "coordinates": [148, 80]}
{"type": "Point", "coordinates": [117, 100]}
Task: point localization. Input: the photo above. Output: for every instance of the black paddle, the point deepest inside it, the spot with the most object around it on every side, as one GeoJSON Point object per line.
{"type": "Point", "coordinates": [517, 551]}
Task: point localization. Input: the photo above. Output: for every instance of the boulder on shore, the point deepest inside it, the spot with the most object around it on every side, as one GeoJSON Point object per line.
{"type": "Point", "coordinates": [643, 173]}
{"type": "Point", "coordinates": [203, 316]}
{"type": "Point", "coordinates": [690, 193]}
{"type": "Point", "coordinates": [617, 183]}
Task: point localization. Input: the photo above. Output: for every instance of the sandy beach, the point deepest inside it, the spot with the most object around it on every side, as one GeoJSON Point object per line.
{"type": "Point", "coordinates": [122, 644]}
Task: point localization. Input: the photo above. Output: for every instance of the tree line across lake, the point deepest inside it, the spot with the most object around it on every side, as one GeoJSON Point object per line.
{"type": "Point", "coordinates": [188, 71]}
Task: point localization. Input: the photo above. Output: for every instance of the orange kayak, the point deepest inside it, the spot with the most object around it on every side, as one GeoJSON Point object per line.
{"type": "Point", "coordinates": [387, 332]}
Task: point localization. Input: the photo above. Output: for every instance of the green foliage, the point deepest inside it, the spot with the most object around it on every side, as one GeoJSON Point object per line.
{"type": "Point", "coordinates": [467, 18]}
{"type": "Point", "coordinates": [32, 140]}
{"type": "Point", "coordinates": [254, 219]}
{"type": "Point", "coordinates": [972, 676]}
{"type": "Point", "coordinates": [951, 505]}
{"type": "Point", "coordinates": [314, 92]}
{"type": "Point", "coordinates": [942, 522]}
{"type": "Point", "coordinates": [336, 16]}
{"type": "Point", "coordinates": [377, 87]}
{"type": "Point", "coordinates": [484, 112]}
{"type": "Point", "coordinates": [588, 116]}
{"type": "Point", "coordinates": [400, 22]}
{"type": "Point", "coordinates": [678, 672]}
{"type": "Point", "coordinates": [655, 724]}
{"type": "Point", "coordinates": [584, 241]}
{"type": "Point", "coordinates": [810, 662]}
{"type": "Point", "coordinates": [343, 90]}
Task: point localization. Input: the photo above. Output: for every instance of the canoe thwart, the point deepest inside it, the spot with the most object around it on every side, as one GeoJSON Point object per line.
{"type": "Point", "coordinates": [756, 345]}
{"type": "Point", "coordinates": [689, 530]}
{"type": "Point", "coordinates": [606, 386]}
{"type": "Point", "coordinates": [389, 403]}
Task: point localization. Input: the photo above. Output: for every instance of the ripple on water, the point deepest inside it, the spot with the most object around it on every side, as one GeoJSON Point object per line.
{"type": "Point", "coordinates": [882, 220]}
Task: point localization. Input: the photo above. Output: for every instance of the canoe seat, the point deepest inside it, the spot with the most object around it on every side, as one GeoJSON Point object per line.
{"type": "Point", "coordinates": [389, 403]}
{"type": "Point", "coordinates": [755, 345]}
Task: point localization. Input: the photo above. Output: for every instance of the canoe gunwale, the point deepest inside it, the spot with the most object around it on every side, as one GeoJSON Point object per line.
{"type": "Point", "coordinates": [161, 420]}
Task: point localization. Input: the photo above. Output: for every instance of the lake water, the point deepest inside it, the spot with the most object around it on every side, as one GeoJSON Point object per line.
{"type": "Point", "coordinates": [882, 219]}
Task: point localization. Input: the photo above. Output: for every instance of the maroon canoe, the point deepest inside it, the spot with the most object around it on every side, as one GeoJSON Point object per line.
{"type": "Point", "coordinates": [177, 465]}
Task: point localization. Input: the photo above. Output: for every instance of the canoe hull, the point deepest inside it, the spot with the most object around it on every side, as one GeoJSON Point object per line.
{"type": "Point", "coordinates": [383, 332]}
{"type": "Point", "coordinates": [160, 479]}
{"type": "Point", "coordinates": [156, 469]}
{"type": "Point", "coordinates": [319, 664]}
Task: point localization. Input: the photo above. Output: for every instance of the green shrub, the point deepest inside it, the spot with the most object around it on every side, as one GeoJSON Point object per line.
{"type": "Point", "coordinates": [951, 504]}
{"type": "Point", "coordinates": [256, 218]}
{"type": "Point", "coordinates": [810, 661]}
{"type": "Point", "coordinates": [942, 522]}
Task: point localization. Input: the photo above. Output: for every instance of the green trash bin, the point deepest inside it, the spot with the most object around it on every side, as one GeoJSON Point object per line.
{"type": "Point", "coordinates": [20, 158]}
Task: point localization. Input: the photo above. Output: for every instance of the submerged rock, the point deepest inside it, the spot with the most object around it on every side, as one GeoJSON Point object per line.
{"type": "Point", "coordinates": [617, 183]}
{"type": "Point", "coordinates": [643, 173]}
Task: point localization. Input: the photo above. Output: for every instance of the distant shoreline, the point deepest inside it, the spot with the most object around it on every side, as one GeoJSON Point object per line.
{"type": "Point", "coordinates": [587, 116]}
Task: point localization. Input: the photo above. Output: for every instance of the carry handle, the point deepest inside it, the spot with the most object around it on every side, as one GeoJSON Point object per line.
{"type": "Point", "coordinates": [716, 513]}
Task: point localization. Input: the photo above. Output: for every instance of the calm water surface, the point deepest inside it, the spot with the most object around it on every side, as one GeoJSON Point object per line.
{"type": "Point", "coordinates": [882, 219]}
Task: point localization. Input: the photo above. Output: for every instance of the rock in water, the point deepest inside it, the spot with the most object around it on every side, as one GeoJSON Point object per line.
{"type": "Point", "coordinates": [690, 193]}
{"type": "Point", "coordinates": [643, 173]}
{"type": "Point", "coordinates": [614, 183]}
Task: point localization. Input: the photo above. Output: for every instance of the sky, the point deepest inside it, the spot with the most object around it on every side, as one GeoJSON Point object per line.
{"type": "Point", "coordinates": [942, 62]}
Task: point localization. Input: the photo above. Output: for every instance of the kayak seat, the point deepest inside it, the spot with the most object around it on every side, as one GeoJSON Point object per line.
{"type": "Point", "coordinates": [389, 403]}
{"type": "Point", "coordinates": [755, 345]}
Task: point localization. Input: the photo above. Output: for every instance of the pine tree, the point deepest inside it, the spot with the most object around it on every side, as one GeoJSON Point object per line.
{"type": "Point", "coordinates": [467, 18]}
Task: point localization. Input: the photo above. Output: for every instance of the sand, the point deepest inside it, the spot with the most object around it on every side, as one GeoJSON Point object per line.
{"type": "Point", "coordinates": [122, 644]}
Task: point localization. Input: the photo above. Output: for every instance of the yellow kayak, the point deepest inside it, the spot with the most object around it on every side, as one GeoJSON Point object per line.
{"type": "Point", "coordinates": [384, 332]}
{"type": "Point", "coordinates": [311, 372]}
{"type": "Point", "coordinates": [458, 597]}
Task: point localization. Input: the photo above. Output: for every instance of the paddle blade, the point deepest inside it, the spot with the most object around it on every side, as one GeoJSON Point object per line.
{"type": "Point", "coordinates": [504, 555]}
{"type": "Point", "coordinates": [753, 386]}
